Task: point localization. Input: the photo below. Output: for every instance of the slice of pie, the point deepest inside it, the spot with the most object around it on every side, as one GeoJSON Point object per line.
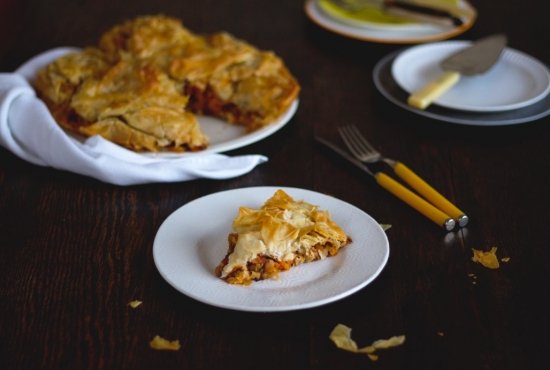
{"type": "Point", "coordinates": [131, 102]}
{"type": "Point", "coordinates": [281, 234]}
{"type": "Point", "coordinates": [147, 78]}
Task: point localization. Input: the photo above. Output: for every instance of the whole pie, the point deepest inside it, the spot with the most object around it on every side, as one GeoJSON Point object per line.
{"type": "Point", "coordinates": [147, 79]}
{"type": "Point", "coordinates": [281, 234]}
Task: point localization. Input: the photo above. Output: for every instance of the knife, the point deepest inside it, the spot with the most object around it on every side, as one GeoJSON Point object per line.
{"type": "Point", "coordinates": [475, 59]}
{"type": "Point", "coordinates": [401, 192]}
{"type": "Point", "coordinates": [420, 11]}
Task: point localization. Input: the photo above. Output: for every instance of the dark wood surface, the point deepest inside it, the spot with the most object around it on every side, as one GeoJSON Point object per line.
{"type": "Point", "coordinates": [75, 251]}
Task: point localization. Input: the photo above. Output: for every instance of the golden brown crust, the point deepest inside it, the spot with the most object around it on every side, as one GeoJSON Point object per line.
{"type": "Point", "coordinates": [230, 79]}
{"type": "Point", "coordinates": [148, 76]}
{"type": "Point", "coordinates": [281, 234]}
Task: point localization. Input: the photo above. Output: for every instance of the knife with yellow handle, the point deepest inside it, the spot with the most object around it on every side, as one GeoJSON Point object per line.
{"type": "Point", "coordinates": [413, 200]}
{"type": "Point", "coordinates": [472, 60]}
{"type": "Point", "coordinates": [428, 192]}
{"type": "Point", "coordinates": [418, 203]}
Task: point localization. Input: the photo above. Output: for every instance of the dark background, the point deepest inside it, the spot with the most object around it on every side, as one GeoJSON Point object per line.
{"type": "Point", "coordinates": [75, 251]}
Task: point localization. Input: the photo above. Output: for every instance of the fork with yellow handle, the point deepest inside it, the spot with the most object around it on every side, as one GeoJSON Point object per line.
{"type": "Point", "coordinates": [364, 152]}
{"type": "Point", "coordinates": [420, 204]}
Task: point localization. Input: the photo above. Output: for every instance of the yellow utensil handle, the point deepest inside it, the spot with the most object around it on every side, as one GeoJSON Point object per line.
{"type": "Point", "coordinates": [414, 201]}
{"type": "Point", "coordinates": [433, 90]}
{"type": "Point", "coordinates": [428, 192]}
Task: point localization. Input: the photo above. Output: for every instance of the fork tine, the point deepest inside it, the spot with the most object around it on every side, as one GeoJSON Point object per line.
{"type": "Point", "coordinates": [348, 140]}
{"type": "Point", "coordinates": [353, 144]}
{"type": "Point", "coordinates": [352, 137]}
{"type": "Point", "coordinates": [361, 139]}
{"type": "Point", "coordinates": [358, 144]}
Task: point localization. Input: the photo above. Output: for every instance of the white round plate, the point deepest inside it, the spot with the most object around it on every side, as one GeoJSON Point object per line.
{"type": "Point", "coordinates": [223, 136]}
{"type": "Point", "coordinates": [387, 86]}
{"type": "Point", "coordinates": [389, 34]}
{"type": "Point", "coordinates": [515, 81]}
{"type": "Point", "coordinates": [192, 241]}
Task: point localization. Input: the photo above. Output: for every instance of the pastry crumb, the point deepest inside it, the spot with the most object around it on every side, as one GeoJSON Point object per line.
{"type": "Point", "coordinates": [487, 259]}
{"type": "Point", "coordinates": [135, 303]}
{"type": "Point", "coordinates": [160, 343]}
{"type": "Point", "coordinates": [341, 337]}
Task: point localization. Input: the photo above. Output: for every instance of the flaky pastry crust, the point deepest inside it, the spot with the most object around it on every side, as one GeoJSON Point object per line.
{"type": "Point", "coordinates": [281, 234]}
{"type": "Point", "coordinates": [144, 83]}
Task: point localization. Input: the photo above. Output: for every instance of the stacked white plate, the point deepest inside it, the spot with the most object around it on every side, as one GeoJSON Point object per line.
{"type": "Point", "coordinates": [515, 90]}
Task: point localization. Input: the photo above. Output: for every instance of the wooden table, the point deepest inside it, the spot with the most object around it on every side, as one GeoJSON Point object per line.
{"type": "Point", "coordinates": [75, 251]}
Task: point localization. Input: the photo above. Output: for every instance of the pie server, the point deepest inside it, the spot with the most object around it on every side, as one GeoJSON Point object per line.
{"type": "Point", "coordinates": [475, 59]}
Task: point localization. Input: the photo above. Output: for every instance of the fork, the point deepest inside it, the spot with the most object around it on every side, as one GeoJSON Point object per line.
{"type": "Point", "coordinates": [366, 153]}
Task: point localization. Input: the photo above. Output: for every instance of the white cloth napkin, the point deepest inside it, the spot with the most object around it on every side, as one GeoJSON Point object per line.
{"type": "Point", "coordinates": [29, 131]}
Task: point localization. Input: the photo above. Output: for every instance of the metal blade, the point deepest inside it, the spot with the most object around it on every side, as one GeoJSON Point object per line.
{"type": "Point", "coordinates": [342, 153]}
{"type": "Point", "coordinates": [477, 58]}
